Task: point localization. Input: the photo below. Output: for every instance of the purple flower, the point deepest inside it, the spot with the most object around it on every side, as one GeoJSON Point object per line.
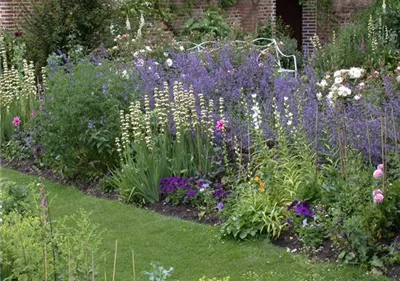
{"type": "Point", "coordinates": [219, 193]}
{"type": "Point", "coordinates": [303, 209]}
{"type": "Point", "coordinates": [292, 205]}
{"type": "Point", "coordinates": [220, 206]}
{"type": "Point", "coordinates": [362, 46]}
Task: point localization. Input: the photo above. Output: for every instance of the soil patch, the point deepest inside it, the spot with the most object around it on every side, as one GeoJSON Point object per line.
{"type": "Point", "coordinates": [185, 212]}
{"type": "Point", "coordinates": [30, 167]}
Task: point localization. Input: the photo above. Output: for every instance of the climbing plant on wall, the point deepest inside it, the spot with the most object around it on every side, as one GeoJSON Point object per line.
{"type": "Point", "coordinates": [325, 11]}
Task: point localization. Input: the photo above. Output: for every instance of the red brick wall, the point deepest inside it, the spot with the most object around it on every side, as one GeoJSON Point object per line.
{"type": "Point", "coordinates": [9, 12]}
{"type": "Point", "coordinates": [343, 12]}
{"type": "Point", "coordinates": [247, 13]}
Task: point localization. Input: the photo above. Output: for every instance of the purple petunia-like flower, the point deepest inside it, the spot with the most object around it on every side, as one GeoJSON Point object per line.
{"type": "Point", "coordinates": [303, 209]}
{"type": "Point", "coordinates": [292, 205]}
{"type": "Point", "coordinates": [219, 193]}
{"type": "Point", "coordinates": [220, 206]}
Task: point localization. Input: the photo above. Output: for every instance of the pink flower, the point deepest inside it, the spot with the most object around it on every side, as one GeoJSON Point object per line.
{"type": "Point", "coordinates": [220, 125]}
{"type": "Point", "coordinates": [376, 192]}
{"type": "Point", "coordinates": [16, 121]}
{"type": "Point", "coordinates": [378, 198]}
{"type": "Point", "coordinates": [33, 113]}
{"type": "Point", "coordinates": [380, 167]}
{"type": "Point", "coordinates": [378, 174]}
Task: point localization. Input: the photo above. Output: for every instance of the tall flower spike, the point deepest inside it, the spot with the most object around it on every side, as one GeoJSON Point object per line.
{"type": "Point", "coordinates": [147, 119]}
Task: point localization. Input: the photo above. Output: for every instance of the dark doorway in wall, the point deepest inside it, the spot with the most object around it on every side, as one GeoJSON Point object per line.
{"type": "Point", "coordinates": [290, 12]}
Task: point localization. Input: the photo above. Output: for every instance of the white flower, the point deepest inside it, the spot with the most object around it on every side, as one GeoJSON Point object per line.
{"type": "Point", "coordinates": [338, 80]}
{"type": "Point", "coordinates": [319, 95]}
{"type": "Point", "coordinates": [398, 69]}
{"type": "Point", "coordinates": [289, 122]}
{"type": "Point", "coordinates": [356, 72]}
{"type": "Point", "coordinates": [398, 79]}
{"type": "Point", "coordinates": [128, 24]}
{"type": "Point", "coordinates": [253, 96]}
{"type": "Point", "coordinates": [337, 73]}
{"type": "Point", "coordinates": [344, 91]}
{"type": "Point", "coordinates": [115, 48]}
{"type": "Point", "coordinates": [125, 74]}
{"type": "Point", "coordinates": [165, 54]}
{"type": "Point", "coordinates": [361, 86]}
{"type": "Point", "coordinates": [133, 40]}
{"type": "Point", "coordinates": [285, 98]}
{"type": "Point", "coordinates": [140, 62]}
{"type": "Point", "coordinates": [148, 49]}
{"type": "Point", "coordinates": [181, 48]}
{"type": "Point", "coordinates": [168, 62]}
{"type": "Point", "coordinates": [135, 54]}
{"type": "Point", "coordinates": [357, 97]}
{"type": "Point", "coordinates": [323, 83]}
{"type": "Point", "coordinates": [201, 190]}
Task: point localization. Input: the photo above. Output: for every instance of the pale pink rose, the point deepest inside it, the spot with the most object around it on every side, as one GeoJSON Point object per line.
{"type": "Point", "coordinates": [220, 125]}
{"type": "Point", "coordinates": [376, 192]}
{"type": "Point", "coordinates": [378, 174]}
{"type": "Point", "coordinates": [378, 198]}
{"type": "Point", "coordinates": [380, 167]}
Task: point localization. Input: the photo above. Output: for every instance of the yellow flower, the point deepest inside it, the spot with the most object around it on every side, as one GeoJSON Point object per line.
{"type": "Point", "coordinates": [262, 184]}
{"type": "Point", "coordinates": [262, 189]}
{"type": "Point", "coordinates": [256, 179]}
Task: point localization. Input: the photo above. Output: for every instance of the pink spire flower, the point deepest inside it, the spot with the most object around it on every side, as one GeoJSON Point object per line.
{"type": "Point", "coordinates": [33, 113]}
{"type": "Point", "coordinates": [16, 121]}
{"type": "Point", "coordinates": [378, 198]}
{"type": "Point", "coordinates": [376, 192]}
{"type": "Point", "coordinates": [380, 167]}
{"type": "Point", "coordinates": [220, 125]}
{"type": "Point", "coordinates": [377, 174]}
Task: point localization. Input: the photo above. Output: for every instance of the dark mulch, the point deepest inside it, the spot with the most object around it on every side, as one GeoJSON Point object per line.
{"type": "Point", "coordinates": [394, 271]}
{"type": "Point", "coordinates": [30, 167]}
{"type": "Point", "coordinates": [185, 212]}
{"type": "Point", "coordinates": [326, 252]}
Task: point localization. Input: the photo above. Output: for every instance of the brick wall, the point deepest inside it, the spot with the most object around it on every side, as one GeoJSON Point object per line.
{"type": "Point", "coordinates": [343, 12]}
{"type": "Point", "coordinates": [247, 13]}
{"type": "Point", "coordinates": [10, 10]}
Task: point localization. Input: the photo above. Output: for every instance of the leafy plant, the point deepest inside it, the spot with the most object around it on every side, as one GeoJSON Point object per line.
{"type": "Point", "coordinates": [158, 273]}
{"type": "Point", "coordinates": [212, 24]}
{"type": "Point", "coordinates": [80, 119]}
{"type": "Point", "coordinates": [53, 24]}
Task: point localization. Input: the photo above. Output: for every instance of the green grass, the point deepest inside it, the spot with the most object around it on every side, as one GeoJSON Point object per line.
{"type": "Point", "coordinates": [192, 249]}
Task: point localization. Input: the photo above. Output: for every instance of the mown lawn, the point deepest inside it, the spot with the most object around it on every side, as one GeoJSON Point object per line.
{"type": "Point", "coordinates": [193, 250]}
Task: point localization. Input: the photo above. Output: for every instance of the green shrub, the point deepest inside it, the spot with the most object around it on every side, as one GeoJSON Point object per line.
{"type": "Point", "coordinates": [55, 24]}
{"type": "Point", "coordinates": [80, 120]}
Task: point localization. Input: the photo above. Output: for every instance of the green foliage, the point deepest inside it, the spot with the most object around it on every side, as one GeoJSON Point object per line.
{"type": "Point", "coordinates": [137, 180]}
{"type": "Point", "coordinates": [158, 273]}
{"type": "Point", "coordinates": [36, 249]}
{"type": "Point", "coordinates": [15, 198]}
{"type": "Point", "coordinates": [212, 25]}
{"type": "Point", "coordinates": [150, 151]}
{"type": "Point", "coordinates": [55, 24]}
{"type": "Point", "coordinates": [18, 90]}
{"type": "Point", "coordinates": [371, 44]}
{"type": "Point", "coordinates": [253, 213]}
{"type": "Point", "coordinates": [80, 120]}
